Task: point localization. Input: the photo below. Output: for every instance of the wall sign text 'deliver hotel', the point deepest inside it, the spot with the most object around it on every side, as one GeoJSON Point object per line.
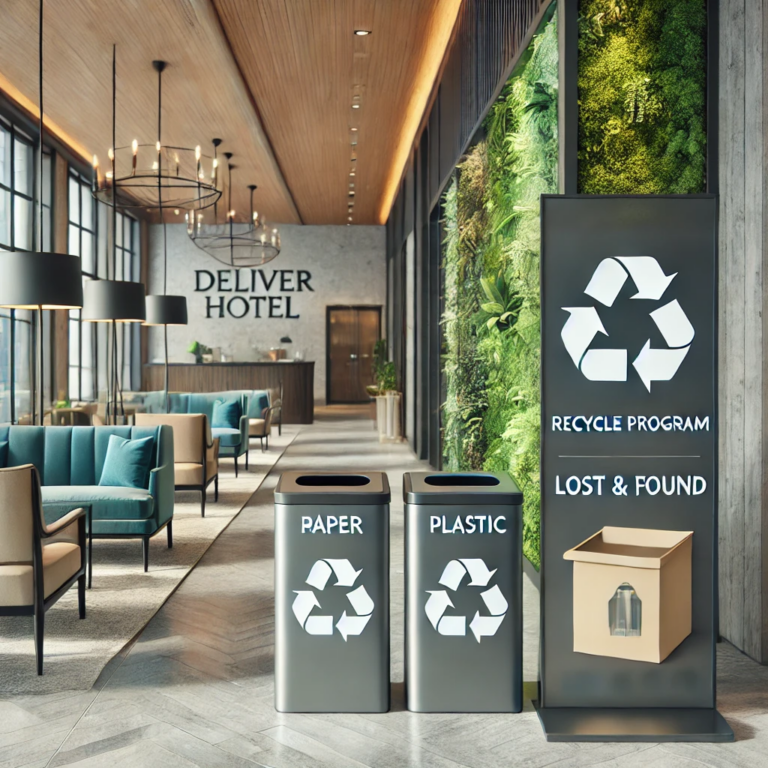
{"type": "Point", "coordinates": [629, 468]}
{"type": "Point", "coordinates": [253, 293]}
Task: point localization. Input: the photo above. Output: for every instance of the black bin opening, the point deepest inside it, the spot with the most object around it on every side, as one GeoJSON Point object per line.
{"type": "Point", "coordinates": [462, 480]}
{"type": "Point", "coordinates": [336, 480]}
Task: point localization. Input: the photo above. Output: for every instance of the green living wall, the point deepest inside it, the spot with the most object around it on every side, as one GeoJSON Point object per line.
{"type": "Point", "coordinates": [642, 96]}
{"type": "Point", "coordinates": [491, 283]}
{"type": "Point", "coordinates": [642, 121]}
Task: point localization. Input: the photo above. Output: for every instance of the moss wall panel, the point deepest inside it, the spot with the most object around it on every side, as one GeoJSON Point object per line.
{"type": "Point", "coordinates": [642, 96]}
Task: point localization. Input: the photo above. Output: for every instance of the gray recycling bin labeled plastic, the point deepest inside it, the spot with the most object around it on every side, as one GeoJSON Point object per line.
{"type": "Point", "coordinates": [463, 605]}
{"type": "Point", "coordinates": [332, 592]}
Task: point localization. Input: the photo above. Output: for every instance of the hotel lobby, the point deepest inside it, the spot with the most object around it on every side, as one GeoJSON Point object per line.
{"type": "Point", "coordinates": [382, 383]}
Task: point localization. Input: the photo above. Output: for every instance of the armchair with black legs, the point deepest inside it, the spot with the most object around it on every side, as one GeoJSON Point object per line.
{"type": "Point", "coordinates": [262, 428]}
{"type": "Point", "coordinates": [38, 562]}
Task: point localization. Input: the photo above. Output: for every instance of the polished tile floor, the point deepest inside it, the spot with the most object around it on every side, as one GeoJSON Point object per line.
{"type": "Point", "coordinates": [196, 688]}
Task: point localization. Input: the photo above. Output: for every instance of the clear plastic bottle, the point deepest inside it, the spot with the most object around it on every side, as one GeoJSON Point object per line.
{"type": "Point", "coordinates": [625, 612]}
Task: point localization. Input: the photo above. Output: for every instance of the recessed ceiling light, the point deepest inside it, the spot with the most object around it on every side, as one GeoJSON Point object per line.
{"type": "Point", "coordinates": [353, 129]}
{"type": "Point", "coordinates": [349, 218]}
{"type": "Point", "coordinates": [355, 106]}
{"type": "Point", "coordinates": [352, 193]}
{"type": "Point", "coordinates": [351, 173]}
{"type": "Point", "coordinates": [362, 32]}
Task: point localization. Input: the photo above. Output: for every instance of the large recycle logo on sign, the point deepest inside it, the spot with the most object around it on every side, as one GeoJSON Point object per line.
{"type": "Point", "coordinates": [479, 576]}
{"type": "Point", "coordinates": [584, 324]}
{"type": "Point", "coordinates": [306, 600]}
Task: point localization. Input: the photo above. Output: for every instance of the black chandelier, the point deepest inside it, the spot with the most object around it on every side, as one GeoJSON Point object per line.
{"type": "Point", "coordinates": [249, 243]}
{"type": "Point", "coordinates": [156, 176]}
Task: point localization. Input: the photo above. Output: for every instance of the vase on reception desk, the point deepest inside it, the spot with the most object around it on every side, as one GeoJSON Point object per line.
{"type": "Point", "coordinates": [388, 417]}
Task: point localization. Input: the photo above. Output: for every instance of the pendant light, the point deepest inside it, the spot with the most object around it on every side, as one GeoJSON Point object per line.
{"type": "Point", "coordinates": [113, 301]}
{"type": "Point", "coordinates": [154, 176]}
{"type": "Point", "coordinates": [162, 309]}
{"type": "Point", "coordinates": [40, 280]}
{"type": "Point", "coordinates": [249, 243]}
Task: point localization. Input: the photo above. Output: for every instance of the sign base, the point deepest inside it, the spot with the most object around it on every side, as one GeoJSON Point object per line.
{"type": "Point", "coordinates": [633, 725]}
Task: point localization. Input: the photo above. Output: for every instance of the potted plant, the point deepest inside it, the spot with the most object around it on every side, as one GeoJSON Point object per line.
{"type": "Point", "coordinates": [386, 394]}
{"type": "Point", "coordinates": [201, 352]}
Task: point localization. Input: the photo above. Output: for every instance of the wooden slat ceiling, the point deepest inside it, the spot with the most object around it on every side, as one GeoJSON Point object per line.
{"type": "Point", "coordinates": [275, 79]}
{"type": "Point", "coordinates": [203, 92]}
{"type": "Point", "coordinates": [304, 66]}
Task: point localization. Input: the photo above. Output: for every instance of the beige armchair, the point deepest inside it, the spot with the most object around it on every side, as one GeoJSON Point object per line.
{"type": "Point", "coordinates": [262, 428]}
{"type": "Point", "coordinates": [38, 562]}
{"type": "Point", "coordinates": [196, 453]}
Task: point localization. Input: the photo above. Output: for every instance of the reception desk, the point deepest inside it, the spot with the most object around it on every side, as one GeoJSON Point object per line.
{"type": "Point", "coordinates": [298, 381]}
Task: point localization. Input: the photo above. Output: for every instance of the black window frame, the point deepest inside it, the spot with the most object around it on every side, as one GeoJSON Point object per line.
{"type": "Point", "coordinates": [83, 182]}
{"type": "Point", "coordinates": [20, 135]}
{"type": "Point", "coordinates": [127, 267]}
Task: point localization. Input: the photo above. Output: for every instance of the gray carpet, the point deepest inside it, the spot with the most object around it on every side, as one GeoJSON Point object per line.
{"type": "Point", "coordinates": [124, 598]}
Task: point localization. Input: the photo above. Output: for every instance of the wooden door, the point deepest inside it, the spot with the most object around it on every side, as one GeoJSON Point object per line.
{"type": "Point", "coordinates": [351, 334]}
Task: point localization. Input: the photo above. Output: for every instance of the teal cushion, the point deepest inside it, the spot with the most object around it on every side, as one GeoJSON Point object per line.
{"type": "Point", "coordinates": [257, 402]}
{"type": "Point", "coordinates": [107, 503]}
{"type": "Point", "coordinates": [227, 436]}
{"type": "Point", "coordinates": [127, 462]}
{"type": "Point", "coordinates": [226, 414]}
{"type": "Point", "coordinates": [3, 453]}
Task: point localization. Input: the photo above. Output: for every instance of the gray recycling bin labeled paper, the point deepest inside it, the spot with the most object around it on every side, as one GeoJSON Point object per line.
{"type": "Point", "coordinates": [332, 592]}
{"type": "Point", "coordinates": [361, 604]}
{"type": "Point", "coordinates": [463, 535]}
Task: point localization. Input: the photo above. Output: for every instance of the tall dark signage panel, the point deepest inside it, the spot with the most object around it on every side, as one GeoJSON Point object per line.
{"type": "Point", "coordinates": [629, 467]}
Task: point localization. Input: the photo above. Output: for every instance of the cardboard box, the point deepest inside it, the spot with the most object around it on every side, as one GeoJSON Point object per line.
{"type": "Point", "coordinates": [631, 593]}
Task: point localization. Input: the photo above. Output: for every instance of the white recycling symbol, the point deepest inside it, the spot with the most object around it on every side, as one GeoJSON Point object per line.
{"type": "Point", "coordinates": [306, 600]}
{"type": "Point", "coordinates": [479, 576]}
{"type": "Point", "coordinates": [584, 323]}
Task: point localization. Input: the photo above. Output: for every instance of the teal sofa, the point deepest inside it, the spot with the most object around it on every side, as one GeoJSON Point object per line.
{"type": "Point", "coordinates": [232, 442]}
{"type": "Point", "coordinates": [70, 460]}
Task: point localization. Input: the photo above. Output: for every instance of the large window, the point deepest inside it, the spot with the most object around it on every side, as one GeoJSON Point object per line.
{"type": "Point", "coordinates": [89, 224]}
{"type": "Point", "coordinates": [127, 268]}
{"type": "Point", "coordinates": [19, 231]}
{"type": "Point", "coordinates": [17, 181]}
{"type": "Point", "coordinates": [82, 242]}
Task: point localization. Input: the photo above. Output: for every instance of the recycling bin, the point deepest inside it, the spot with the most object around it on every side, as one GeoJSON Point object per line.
{"type": "Point", "coordinates": [463, 593]}
{"type": "Point", "coordinates": [332, 592]}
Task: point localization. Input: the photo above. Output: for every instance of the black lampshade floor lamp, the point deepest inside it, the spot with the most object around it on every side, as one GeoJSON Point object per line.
{"type": "Point", "coordinates": [113, 301]}
{"type": "Point", "coordinates": [39, 280]}
{"type": "Point", "coordinates": [164, 310]}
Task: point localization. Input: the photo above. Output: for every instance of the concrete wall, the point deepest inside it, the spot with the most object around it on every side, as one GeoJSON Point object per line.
{"type": "Point", "coordinates": [743, 282]}
{"type": "Point", "coordinates": [341, 265]}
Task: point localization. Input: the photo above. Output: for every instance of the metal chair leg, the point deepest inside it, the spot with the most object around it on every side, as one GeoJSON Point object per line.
{"type": "Point", "coordinates": [170, 534]}
{"type": "Point", "coordinates": [235, 466]}
{"type": "Point", "coordinates": [81, 596]}
{"type": "Point", "coordinates": [145, 549]}
{"type": "Point", "coordinates": [39, 632]}
{"type": "Point", "coordinates": [90, 546]}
